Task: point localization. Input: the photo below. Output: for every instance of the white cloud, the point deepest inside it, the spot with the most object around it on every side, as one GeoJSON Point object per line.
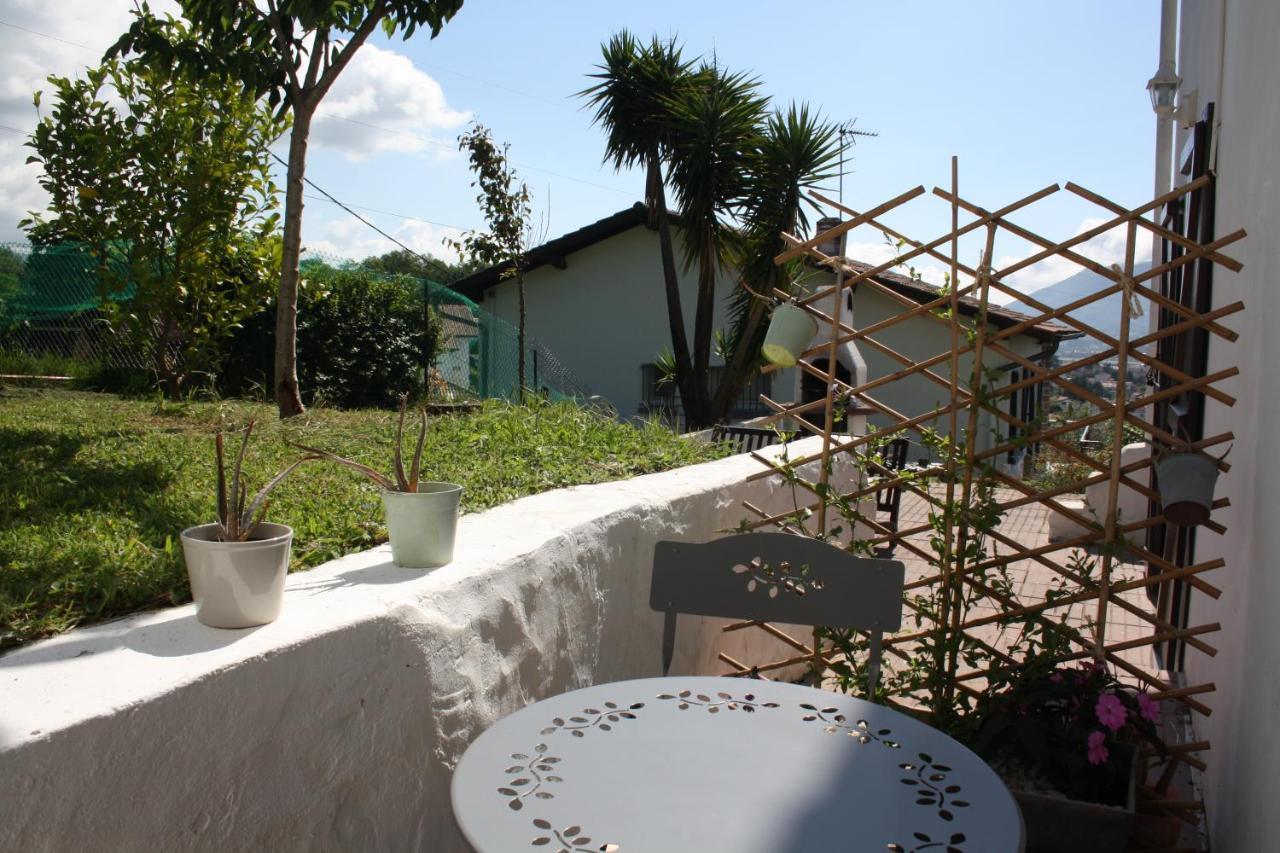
{"type": "Point", "coordinates": [379, 87]}
{"type": "Point", "coordinates": [75, 34]}
{"type": "Point", "coordinates": [1107, 248]}
{"type": "Point", "coordinates": [382, 88]}
{"type": "Point", "coordinates": [350, 239]}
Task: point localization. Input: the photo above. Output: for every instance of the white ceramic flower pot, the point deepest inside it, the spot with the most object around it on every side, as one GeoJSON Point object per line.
{"type": "Point", "coordinates": [422, 524]}
{"type": "Point", "coordinates": [1186, 482]}
{"type": "Point", "coordinates": [790, 331]}
{"type": "Point", "coordinates": [237, 584]}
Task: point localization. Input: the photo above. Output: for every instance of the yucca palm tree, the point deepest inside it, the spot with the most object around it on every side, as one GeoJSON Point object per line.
{"type": "Point", "coordinates": [715, 124]}
{"type": "Point", "coordinates": [738, 175]}
{"type": "Point", "coordinates": [636, 84]}
{"type": "Point", "coordinates": [796, 150]}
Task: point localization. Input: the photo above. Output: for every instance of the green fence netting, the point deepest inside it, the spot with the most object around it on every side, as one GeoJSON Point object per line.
{"type": "Point", "coordinates": [50, 308]}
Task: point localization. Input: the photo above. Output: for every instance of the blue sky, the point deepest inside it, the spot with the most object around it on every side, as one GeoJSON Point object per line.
{"type": "Point", "coordinates": [1026, 94]}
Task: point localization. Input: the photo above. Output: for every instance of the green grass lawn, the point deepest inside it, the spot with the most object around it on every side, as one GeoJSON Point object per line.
{"type": "Point", "coordinates": [96, 488]}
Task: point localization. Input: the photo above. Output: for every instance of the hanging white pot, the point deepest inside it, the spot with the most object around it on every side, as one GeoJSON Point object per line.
{"type": "Point", "coordinates": [423, 524]}
{"type": "Point", "coordinates": [1185, 482]}
{"type": "Point", "coordinates": [791, 329]}
{"type": "Point", "coordinates": [237, 584]}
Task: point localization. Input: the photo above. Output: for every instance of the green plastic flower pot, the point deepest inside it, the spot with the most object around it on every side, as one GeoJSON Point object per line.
{"type": "Point", "coordinates": [1186, 482]}
{"type": "Point", "coordinates": [790, 331]}
{"type": "Point", "coordinates": [422, 524]}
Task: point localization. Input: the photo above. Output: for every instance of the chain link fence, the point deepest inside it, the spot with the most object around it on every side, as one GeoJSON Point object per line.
{"type": "Point", "coordinates": [50, 312]}
{"type": "Point", "coordinates": [51, 322]}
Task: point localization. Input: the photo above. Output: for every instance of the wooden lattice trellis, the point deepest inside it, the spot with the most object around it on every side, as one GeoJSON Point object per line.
{"type": "Point", "coordinates": [966, 398]}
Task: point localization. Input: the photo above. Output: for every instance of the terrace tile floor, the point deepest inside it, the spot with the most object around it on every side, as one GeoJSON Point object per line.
{"type": "Point", "coordinates": [1031, 579]}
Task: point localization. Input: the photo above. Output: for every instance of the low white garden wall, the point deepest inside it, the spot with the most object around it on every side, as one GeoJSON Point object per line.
{"type": "Point", "coordinates": [337, 727]}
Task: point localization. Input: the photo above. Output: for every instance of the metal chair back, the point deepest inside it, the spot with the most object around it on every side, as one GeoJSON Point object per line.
{"type": "Point", "coordinates": [777, 577]}
{"type": "Point", "coordinates": [744, 438]}
{"type": "Point", "coordinates": [894, 457]}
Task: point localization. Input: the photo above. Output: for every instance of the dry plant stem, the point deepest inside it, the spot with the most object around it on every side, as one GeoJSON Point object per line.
{"type": "Point", "coordinates": [416, 468]}
{"type": "Point", "coordinates": [235, 522]}
{"type": "Point", "coordinates": [948, 515]}
{"type": "Point", "coordinates": [237, 497]}
{"type": "Point", "coordinates": [976, 383]}
{"type": "Point", "coordinates": [925, 247]}
{"type": "Point", "coordinates": [828, 425]}
{"type": "Point", "coordinates": [1117, 444]}
{"type": "Point", "coordinates": [222, 477]}
{"type": "Point", "coordinates": [397, 482]}
{"type": "Point", "coordinates": [377, 478]}
{"type": "Point", "coordinates": [397, 463]}
{"type": "Point", "coordinates": [847, 226]}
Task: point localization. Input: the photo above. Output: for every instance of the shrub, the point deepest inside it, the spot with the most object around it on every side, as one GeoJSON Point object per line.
{"type": "Point", "coordinates": [364, 339]}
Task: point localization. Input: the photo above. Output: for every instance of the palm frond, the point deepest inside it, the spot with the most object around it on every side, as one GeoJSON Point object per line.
{"type": "Point", "coordinates": [633, 82]}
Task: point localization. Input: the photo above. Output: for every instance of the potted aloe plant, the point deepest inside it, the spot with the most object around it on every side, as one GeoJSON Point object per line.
{"type": "Point", "coordinates": [1066, 740]}
{"type": "Point", "coordinates": [422, 515]}
{"type": "Point", "coordinates": [237, 564]}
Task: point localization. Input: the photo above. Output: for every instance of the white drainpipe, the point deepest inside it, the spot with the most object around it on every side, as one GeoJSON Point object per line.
{"type": "Point", "coordinates": [1165, 121]}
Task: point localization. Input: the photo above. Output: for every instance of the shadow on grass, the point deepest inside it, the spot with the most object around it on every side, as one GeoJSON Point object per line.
{"type": "Point", "coordinates": [51, 481]}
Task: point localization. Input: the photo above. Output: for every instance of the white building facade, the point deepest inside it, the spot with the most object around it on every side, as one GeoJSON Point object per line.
{"type": "Point", "coordinates": [595, 299]}
{"type": "Point", "coordinates": [1228, 126]}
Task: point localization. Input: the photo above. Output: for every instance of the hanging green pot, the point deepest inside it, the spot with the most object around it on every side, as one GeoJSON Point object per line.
{"type": "Point", "coordinates": [1186, 482]}
{"type": "Point", "coordinates": [791, 329]}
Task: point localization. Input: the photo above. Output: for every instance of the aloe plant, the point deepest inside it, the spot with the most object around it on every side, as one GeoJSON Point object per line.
{"type": "Point", "coordinates": [236, 522]}
{"type": "Point", "coordinates": [399, 481]}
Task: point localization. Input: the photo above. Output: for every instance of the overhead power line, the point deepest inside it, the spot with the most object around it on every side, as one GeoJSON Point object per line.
{"type": "Point", "coordinates": [393, 213]}
{"type": "Point", "coordinates": [345, 207]}
{"type": "Point", "coordinates": [46, 35]}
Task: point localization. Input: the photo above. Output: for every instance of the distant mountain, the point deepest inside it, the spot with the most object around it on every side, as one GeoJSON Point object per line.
{"type": "Point", "coordinates": [1103, 315]}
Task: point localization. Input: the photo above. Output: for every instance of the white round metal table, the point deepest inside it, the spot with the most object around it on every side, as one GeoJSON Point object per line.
{"type": "Point", "coordinates": [708, 764]}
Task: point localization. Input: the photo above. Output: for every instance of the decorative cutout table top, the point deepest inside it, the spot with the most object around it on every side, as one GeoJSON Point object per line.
{"type": "Point", "coordinates": [708, 764]}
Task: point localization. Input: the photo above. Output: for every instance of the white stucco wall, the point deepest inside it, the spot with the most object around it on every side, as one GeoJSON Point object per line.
{"type": "Point", "coordinates": [1242, 780]}
{"type": "Point", "coordinates": [605, 315]}
{"type": "Point", "coordinates": [337, 727]}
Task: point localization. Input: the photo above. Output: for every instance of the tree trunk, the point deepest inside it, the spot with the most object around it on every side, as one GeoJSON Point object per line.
{"type": "Point", "coordinates": [520, 331]}
{"type": "Point", "coordinates": [656, 198]}
{"type": "Point", "coordinates": [703, 328]}
{"type": "Point", "coordinates": [165, 366]}
{"type": "Point", "coordinates": [742, 361]}
{"type": "Point", "coordinates": [288, 400]}
{"type": "Point", "coordinates": [745, 356]}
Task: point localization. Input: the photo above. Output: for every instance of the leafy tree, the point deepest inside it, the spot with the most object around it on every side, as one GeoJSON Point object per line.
{"type": "Point", "coordinates": [167, 187]}
{"type": "Point", "coordinates": [404, 262]}
{"type": "Point", "coordinates": [291, 52]}
{"type": "Point", "coordinates": [504, 200]}
{"type": "Point", "coordinates": [364, 338]}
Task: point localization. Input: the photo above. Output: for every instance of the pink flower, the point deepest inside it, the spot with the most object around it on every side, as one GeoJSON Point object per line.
{"type": "Point", "coordinates": [1149, 708]}
{"type": "Point", "coordinates": [1098, 748]}
{"type": "Point", "coordinates": [1111, 711]}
